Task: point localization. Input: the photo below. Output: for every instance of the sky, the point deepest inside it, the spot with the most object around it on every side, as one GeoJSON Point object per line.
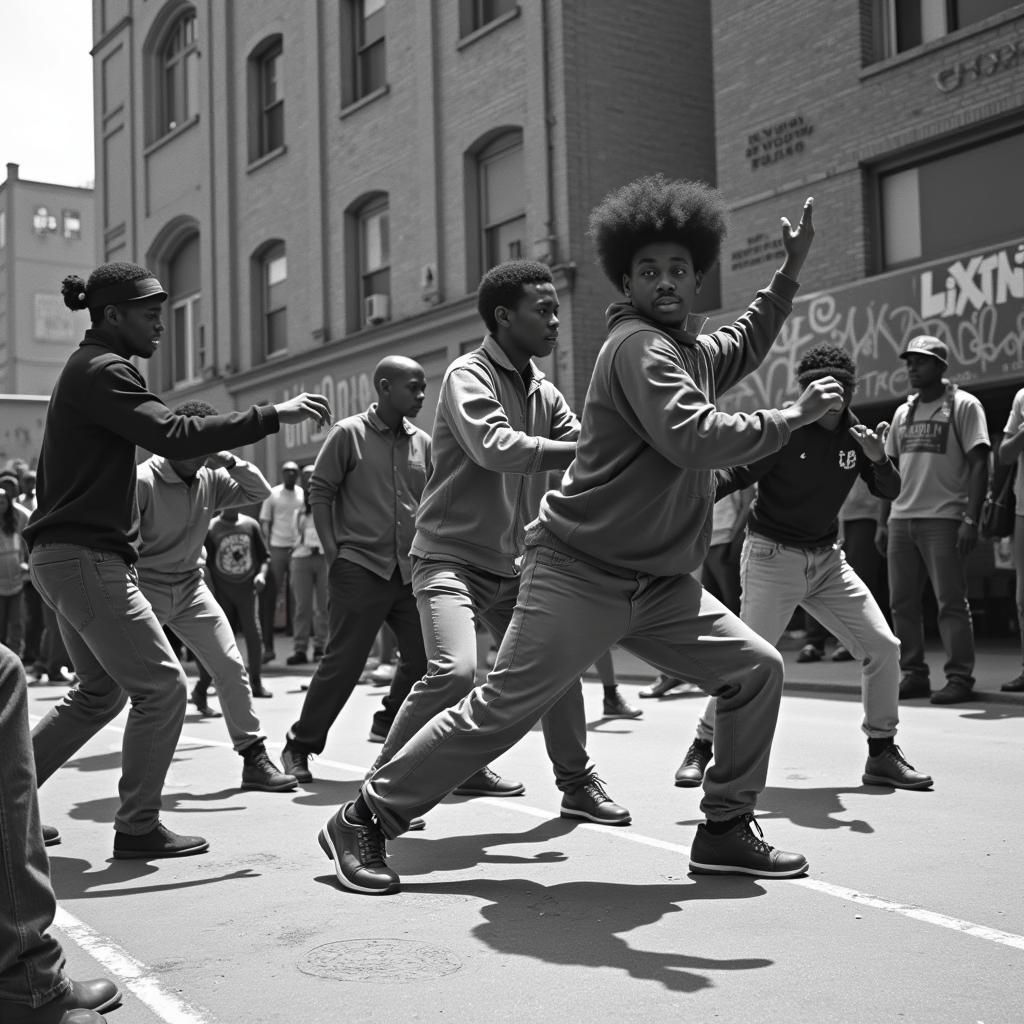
{"type": "Point", "coordinates": [46, 114]}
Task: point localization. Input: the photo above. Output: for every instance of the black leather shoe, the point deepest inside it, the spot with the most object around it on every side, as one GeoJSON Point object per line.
{"type": "Point", "coordinates": [259, 690]}
{"type": "Point", "coordinates": [912, 687]}
{"type": "Point", "coordinates": [159, 842]}
{"type": "Point", "coordinates": [298, 658]}
{"type": "Point", "coordinates": [97, 995]}
{"type": "Point", "coordinates": [82, 1017]}
{"type": "Point", "coordinates": [1014, 685]}
{"type": "Point", "coordinates": [51, 837]}
{"type": "Point", "coordinates": [198, 699]}
{"type": "Point", "coordinates": [954, 692]}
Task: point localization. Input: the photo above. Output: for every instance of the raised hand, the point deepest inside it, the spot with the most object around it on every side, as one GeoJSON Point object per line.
{"type": "Point", "coordinates": [871, 441]}
{"type": "Point", "coordinates": [220, 460]}
{"type": "Point", "coordinates": [797, 242]}
{"type": "Point", "coordinates": [305, 407]}
{"type": "Point", "coordinates": [818, 398]}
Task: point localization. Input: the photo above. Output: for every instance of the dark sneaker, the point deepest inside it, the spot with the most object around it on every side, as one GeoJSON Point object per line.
{"type": "Point", "coordinates": [691, 771]}
{"type": "Point", "coordinates": [660, 687]}
{"type": "Point", "coordinates": [261, 773]}
{"type": "Point", "coordinates": [912, 687]}
{"type": "Point", "coordinates": [81, 1004]}
{"type": "Point", "coordinates": [1014, 685]}
{"type": "Point", "coordinates": [489, 783]}
{"type": "Point", "coordinates": [268, 656]}
{"type": "Point", "coordinates": [841, 654]}
{"type": "Point", "coordinates": [616, 707]}
{"type": "Point", "coordinates": [259, 690]}
{"type": "Point", "coordinates": [378, 734]}
{"type": "Point", "coordinates": [159, 842]}
{"type": "Point", "coordinates": [358, 853]}
{"type": "Point", "coordinates": [954, 692]}
{"type": "Point", "coordinates": [295, 762]}
{"type": "Point", "coordinates": [198, 698]}
{"type": "Point", "coordinates": [891, 768]}
{"type": "Point", "coordinates": [590, 801]}
{"type": "Point", "coordinates": [809, 653]}
{"type": "Point", "coordinates": [298, 658]}
{"type": "Point", "coordinates": [318, 653]}
{"type": "Point", "coordinates": [741, 851]}
{"type": "Point", "coordinates": [51, 837]}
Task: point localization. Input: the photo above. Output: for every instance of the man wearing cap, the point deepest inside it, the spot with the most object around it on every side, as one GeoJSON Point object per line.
{"type": "Point", "coordinates": [940, 439]}
{"type": "Point", "coordinates": [278, 518]}
{"type": "Point", "coordinates": [84, 542]}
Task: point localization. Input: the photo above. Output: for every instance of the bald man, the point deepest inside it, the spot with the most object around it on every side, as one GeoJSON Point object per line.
{"type": "Point", "coordinates": [364, 493]}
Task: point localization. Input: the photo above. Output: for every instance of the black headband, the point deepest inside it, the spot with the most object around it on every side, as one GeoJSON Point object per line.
{"type": "Point", "coordinates": [125, 291]}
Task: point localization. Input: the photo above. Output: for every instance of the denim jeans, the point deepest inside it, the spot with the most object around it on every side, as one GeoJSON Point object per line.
{"type": "Point", "coordinates": [360, 601]}
{"type": "Point", "coordinates": [775, 578]}
{"type": "Point", "coordinates": [568, 613]}
{"type": "Point", "coordinates": [12, 620]}
{"type": "Point", "coordinates": [921, 550]}
{"type": "Point", "coordinates": [309, 594]}
{"type": "Point", "coordinates": [277, 579]}
{"type": "Point", "coordinates": [451, 596]}
{"type": "Point", "coordinates": [238, 602]}
{"type": "Point", "coordinates": [191, 611]}
{"type": "Point", "coordinates": [119, 651]}
{"type": "Point", "coordinates": [31, 960]}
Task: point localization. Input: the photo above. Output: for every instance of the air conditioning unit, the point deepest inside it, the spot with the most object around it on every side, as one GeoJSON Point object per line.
{"type": "Point", "coordinates": [376, 308]}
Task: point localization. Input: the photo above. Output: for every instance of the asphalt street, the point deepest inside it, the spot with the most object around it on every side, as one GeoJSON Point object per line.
{"type": "Point", "coordinates": [912, 910]}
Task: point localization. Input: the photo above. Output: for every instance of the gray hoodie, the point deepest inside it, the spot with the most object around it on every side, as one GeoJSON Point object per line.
{"type": "Point", "coordinates": [638, 497]}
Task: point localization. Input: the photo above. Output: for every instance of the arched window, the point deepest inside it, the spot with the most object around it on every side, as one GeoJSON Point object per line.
{"type": "Point", "coordinates": [266, 98]}
{"type": "Point", "coordinates": [495, 202]}
{"type": "Point", "coordinates": [188, 357]}
{"type": "Point", "coordinates": [178, 70]}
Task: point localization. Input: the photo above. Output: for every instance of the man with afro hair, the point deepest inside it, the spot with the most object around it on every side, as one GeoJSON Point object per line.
{"type": "Point", "coordinates": [792, 556]}
{"type": "Point", "coordinates": [610, 558]}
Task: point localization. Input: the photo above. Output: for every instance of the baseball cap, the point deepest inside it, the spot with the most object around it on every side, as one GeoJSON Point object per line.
{"type": "Point", "coordinates": [925, 345]}
{"type": "Point", "coordinates": [290, 465]}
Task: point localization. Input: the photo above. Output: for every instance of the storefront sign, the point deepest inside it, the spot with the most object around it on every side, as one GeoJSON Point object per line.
{"type": "Point", "coordinates": [981, 65]}
{"type": "Point", "coordinates": [974, 303]}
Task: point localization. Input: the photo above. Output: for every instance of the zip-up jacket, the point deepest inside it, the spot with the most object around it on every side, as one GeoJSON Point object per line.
{"type": "Point", "coordinates": [492, 450]}
{"type": "Point", "coordinates": [639, 496]}
{"type": "Point", "coordinates": [99, 411]}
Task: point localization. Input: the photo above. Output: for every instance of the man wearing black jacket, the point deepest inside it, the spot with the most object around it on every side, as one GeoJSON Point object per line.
{"type": "Point", "coordinates": [84, 542]}
{"type": "Point", "coordinates": [792, 556]}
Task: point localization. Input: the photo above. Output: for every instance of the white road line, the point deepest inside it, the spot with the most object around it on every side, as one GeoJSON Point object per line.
{"type": "Point", "coordinates": [956, 924]}
{"type": "Point", "coordinates": [129, 972]}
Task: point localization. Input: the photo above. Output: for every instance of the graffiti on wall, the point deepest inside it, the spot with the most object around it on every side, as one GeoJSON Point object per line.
{"type": "Point", "coordinates": [974, 303]}
{"type": "Point", "coordinates": [348, 396]}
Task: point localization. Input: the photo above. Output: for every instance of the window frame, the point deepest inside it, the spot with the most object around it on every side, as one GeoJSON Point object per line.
{"type": "Point", "coordinates": [268, 114]}
{"type": "Point", "coordinates": [270, 254]}
{"type": "Point", "coordinates": [475, 16]}
{"type": "Point", "coordinates": [177, 55]}
{"type": "Point", "coordinates": [376, 207]}
{"type": "Point", "coordinates": [490, 154]}
{"type": "Point", "coordinates": [887, 25]}
{"type": "Point", "coordinates": [192, 345]}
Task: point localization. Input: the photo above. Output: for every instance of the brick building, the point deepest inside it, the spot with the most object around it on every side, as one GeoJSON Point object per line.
{"type": "Point", "coordinates": [322, 182]}
{"type": "Point", "coordinates": [46, 232]}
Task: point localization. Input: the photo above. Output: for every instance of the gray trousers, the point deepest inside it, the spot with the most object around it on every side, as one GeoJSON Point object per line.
{"type": "Point", "coordinates": [567, 614]}
{"type": "Point", "coordinates": [119, 650]}
{"type": "Point", "coordinates": [451, 596]}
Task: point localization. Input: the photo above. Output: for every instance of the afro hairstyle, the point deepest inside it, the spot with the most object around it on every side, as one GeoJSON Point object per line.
{"type": "Point", "coordinates": [76, 291]}
{"type": "Point", "coordinates": [655, 209]}
{"type": "Point", "coordinates": [503, 286]}
{"type": "Point", "coordinates": [827, 359]}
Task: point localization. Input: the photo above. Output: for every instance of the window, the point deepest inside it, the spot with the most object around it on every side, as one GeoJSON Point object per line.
{"type": "Point", "coordinates": [72, 223]}
{"type": "Point", "coordinates": [268, 99]}
{"type": "Point", "coordinates": [502, 204]}
{"type": "Point", "coordinates": [43, 221]}
{"type": "Point", "coordinates": [920, 222]}
{"type": "Point", "coordinates": [179, 75]}
{"type": "Point", "coordinates": [905, 24]}
{"type": "Point", "coordinates": [374, 262]}
{"type": "Point", "coordinates": [187, 349]}
{"type": "Point", "coordinates": [369, 71]}
{"type": "Point", "coordinates": [273, 268]}
{"type": "Point", "coordinates": [474, 14]}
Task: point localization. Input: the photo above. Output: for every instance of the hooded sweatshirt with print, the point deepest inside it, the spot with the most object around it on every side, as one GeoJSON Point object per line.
{"type": "Point", "coordinates": [638, 498]}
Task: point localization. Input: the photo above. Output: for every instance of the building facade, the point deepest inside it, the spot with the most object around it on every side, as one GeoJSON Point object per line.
{"type": "Point", "coordinates": [47, 231]}
{"type": "Point", "coordinates": [320, 183]}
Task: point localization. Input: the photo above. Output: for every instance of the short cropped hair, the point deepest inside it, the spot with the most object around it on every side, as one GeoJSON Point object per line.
{"type": "Point", "coordinates": [195, 408]}
{"type": "Point", "coordinates": [74, 289]}
{"type": "Point", "coordinates": [503, 286]}
{"type": "Point", "coordinates": [656, 209]}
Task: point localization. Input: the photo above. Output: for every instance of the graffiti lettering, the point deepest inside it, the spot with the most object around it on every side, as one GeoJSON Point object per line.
{"type": "Point", "coordinates": [981, 65]}
{"type": "Point", "coordinates": [349, 395]}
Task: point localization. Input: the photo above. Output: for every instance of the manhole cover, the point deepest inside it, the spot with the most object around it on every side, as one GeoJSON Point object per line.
{"type": "Point", "coordinates": [379, 960]}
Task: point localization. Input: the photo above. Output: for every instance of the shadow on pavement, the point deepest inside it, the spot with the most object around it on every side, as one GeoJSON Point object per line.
{"type": "Point", "coordinates": [73, 879]}
{"type": "Point", "coordinates": [326, 792]}
{"type": "Point", "coordinates": [578, 924]}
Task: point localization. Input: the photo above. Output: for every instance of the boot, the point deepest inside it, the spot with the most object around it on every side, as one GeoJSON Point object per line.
{"type": "Point", "coordinates": [260, 772]}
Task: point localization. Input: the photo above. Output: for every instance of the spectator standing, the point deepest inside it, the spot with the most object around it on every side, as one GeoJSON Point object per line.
{"type": "Point", "coordinates": [1011, 451]}
{"type": "Point", "coordinates": [940, 439]}
{"type": "Point", "coordinates": [237, 564]}
{"type": "Point", "coordinates": [366, 488]}
{"type": "Point", "coordinates": [278, 521]}
{"type": "Point", "coordinates": [84, 540]}
{"type": "Point", "coordinates": [308, 573]}
{"type": "Point", "coordinates": [176, 501]}
{"type": "Point", "coordinates": [32, 603]}
{"type": "Point", "coordinates": [13, 571]}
